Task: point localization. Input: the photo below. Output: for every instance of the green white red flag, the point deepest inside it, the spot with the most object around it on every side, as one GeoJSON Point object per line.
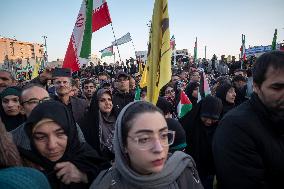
{"type": "Point", "coordinates": [184, 105]}
{"type": "Point", "coordinates": [93, 15]}
{"type": "Point", "coordinates": [107, 51]}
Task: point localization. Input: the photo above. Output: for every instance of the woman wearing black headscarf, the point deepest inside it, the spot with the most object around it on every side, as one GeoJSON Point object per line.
{"type": "Point", "coordinates": [191, 91]}
{"type": "Point", "coordinates": [98, 125]}
{"type": "Point", "coordinates": [200, 125]}
{"type": "Point", "coordinates": [226, 92]}
{"type": "Point", "coordinates": [10, 108]}
{"type": "Point", "coordinates": [53, 147]}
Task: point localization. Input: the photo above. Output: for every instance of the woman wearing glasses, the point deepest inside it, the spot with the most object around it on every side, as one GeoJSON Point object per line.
{"type": "Point", "coordinates": [141, 145]}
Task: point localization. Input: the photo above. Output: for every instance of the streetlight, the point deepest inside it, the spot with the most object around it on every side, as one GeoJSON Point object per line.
{"type": "Point", "coordinates": [45, 53]}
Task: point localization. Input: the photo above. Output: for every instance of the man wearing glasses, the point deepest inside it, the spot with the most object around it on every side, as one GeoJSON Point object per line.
{"type": "Point", "coordinates": [31, 96]}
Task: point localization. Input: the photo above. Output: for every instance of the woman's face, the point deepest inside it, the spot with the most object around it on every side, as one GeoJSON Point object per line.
{"type": "Point", "coordinates": [195, 92]}
{"type": "Point", "coordinates": [231, 95]}
{"type": "Point", "coordinates": [170, 92]}
{"type": "Point", "coordinates": [146, 145]}
{"type": "Point", "coordinates": [105, 103]}
{"type": "Point", "coordinates": [50, 140]}
{"type": "Point", "coordinates": [11, 105]}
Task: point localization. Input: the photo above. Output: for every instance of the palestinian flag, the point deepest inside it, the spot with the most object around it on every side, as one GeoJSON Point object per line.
{"type": "Point", "coordinates": [184, 105]}
{"type": "Point", "coordinates": [107, 51]}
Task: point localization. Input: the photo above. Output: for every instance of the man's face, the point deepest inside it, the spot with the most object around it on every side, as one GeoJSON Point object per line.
{"type": "Point", "coordinates": [78, 82]}
{"type": "Point", "coordinates": [271, 91]}
{"type": "Point", "coordinates": [195, 77]}
{"type": "Point", "coordinates": [175, 78]}
{"type": "Point", "coordinates": [132, 84]}
{"type": "Point", "coordinates": [62, 85]}
{"type": "Point", "coordinates": [32, 97]}
{"type": "Point", "coordinates": [102, 78]}
{"type": "Point", "coordinates": [239, 84]}
{"type": "Point", "coordinates": [89, 90]}
{"type": "Point", "coordinates": [123, 84]}
{"type": "Point", "coordinates": [183, 76]}
{"type": "Point", "coordinates": [5, 80]}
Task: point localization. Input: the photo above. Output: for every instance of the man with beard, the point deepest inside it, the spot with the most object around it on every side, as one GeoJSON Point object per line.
{"type": "Point", "coordinates": [63, 88]}
{"type": "Point", "coordinates": [89, 88]}
{"type": "Point", "coordinates": [248, 144]}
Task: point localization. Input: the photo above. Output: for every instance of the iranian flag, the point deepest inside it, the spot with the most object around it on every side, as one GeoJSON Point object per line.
{"type": "Point", "coordinates": [184, 105]}
{"type": "Point", "coordinates": [93, 15]}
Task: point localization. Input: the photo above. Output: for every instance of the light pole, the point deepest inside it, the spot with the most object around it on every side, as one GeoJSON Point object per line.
{"type": "Point", "coordinates": [45, 53]}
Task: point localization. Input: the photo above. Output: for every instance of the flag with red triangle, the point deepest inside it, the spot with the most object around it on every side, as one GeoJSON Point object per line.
{"type": "Point", "coordinates": [93, 15]}
{"type": "Point", "coordinates": [184, 105]}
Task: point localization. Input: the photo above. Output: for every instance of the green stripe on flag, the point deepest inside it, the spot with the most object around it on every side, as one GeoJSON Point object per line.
{"type": "Point", "coordinates": [87, 38]}
{"type": "Point", "coordinates": [185, 109]}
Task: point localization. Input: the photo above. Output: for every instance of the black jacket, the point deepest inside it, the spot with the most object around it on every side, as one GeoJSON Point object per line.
{"type": "Point", "coordinates": [120, 100]}
{"type": "Point", "coordinates": [248, 148]}
{"type": "Point", "coordinates": [77, 106]}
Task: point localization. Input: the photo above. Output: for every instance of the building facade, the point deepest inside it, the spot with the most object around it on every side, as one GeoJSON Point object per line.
{"type": "Point", "coordinates": [12, 49]}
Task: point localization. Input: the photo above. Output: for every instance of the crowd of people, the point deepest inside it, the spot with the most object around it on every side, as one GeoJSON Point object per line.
{"type": "Point", "coordinates": [95, 129]}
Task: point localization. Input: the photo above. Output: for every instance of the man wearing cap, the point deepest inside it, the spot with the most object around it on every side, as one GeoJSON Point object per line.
{"type": "Point", "coordinates": [62, 84]}
{"type": "Point", "coordinates": [122, 95]}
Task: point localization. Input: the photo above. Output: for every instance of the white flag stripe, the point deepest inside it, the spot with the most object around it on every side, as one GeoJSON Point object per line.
{"type": "Point", "coordinates": [78, 31]}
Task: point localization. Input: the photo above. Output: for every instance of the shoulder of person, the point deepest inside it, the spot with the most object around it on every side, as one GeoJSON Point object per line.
{"type": "Point", "coordinates": [107, 179]}
{"type": "Point", "coordinates": [80, 100]}
{"type": "Point", "coordinates": [189, 179]}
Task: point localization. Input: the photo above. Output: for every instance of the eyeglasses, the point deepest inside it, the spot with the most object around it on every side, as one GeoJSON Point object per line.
{"type": "Point", "coordinates": [147, 141]}
{"type": "Point", "coordinates": [35, 101]}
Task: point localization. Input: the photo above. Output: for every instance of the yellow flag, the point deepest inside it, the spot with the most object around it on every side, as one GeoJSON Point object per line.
{"type": "Point", "coordinates": [36, 69]}
{"type": "Point", "coordinates": [157, 72]}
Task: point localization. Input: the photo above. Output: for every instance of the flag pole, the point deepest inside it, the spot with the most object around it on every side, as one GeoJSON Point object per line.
{"type": "Point", "coordinates": [205, 51]}
{"type": "Point", "coordinates": [115, 41]}
{"type": "Point", "coordinates": [133, 47]}
{"type": "Point", "coordinates": [114, 58]}
{"type": "Point", "coordinates": [175, 54]}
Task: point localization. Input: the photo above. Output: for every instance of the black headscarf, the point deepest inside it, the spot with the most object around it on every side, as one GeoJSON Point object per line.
{"type": "Point", "coordinates": [80, 154]}
{"type": "Point", "coordinates": [11, 122]}
{"type": "Point", "coordinates": [188, 91]}
{"type": "Point", "coordinates": [199, 136]}
{"type": "Point", "coordinates": [221, 92]}
{"type": "Point", "coordinates": [90, 125]}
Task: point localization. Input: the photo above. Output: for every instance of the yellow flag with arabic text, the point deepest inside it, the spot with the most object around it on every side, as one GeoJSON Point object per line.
{"type": "Point", "coordinates": [157, 72]}
{"type": "Point", "coordinates": [36, 69]}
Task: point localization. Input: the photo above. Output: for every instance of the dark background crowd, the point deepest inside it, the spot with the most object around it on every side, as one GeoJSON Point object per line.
{"type": "Point", "coordinates": [66, 124]}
